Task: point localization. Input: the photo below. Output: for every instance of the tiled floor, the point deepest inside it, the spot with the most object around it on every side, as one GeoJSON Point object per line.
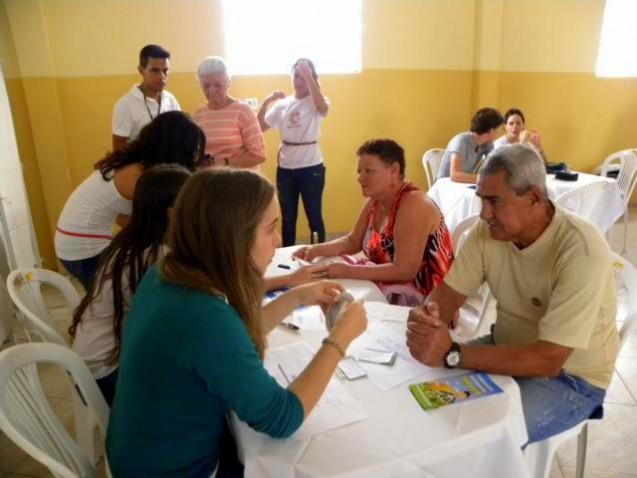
{"type": "Point", "coordinates": [612, 446]}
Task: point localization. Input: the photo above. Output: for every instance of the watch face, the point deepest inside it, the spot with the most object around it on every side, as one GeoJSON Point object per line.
{"type": "Point", "coordinates": [453, 358]}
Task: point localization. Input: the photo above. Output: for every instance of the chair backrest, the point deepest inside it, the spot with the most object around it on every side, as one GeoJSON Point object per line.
{"type": "Point", "coordinates": [459, 233]}
{"type": "Point", "coordinates": [431, 163]}
{"type": "Point", "coordinates": [24, 286]}
{"type": "Point", "coordinates": [626, 283]}
{"type": "Point", "coordinates": [578, 200]}
{"type": "Point", "coordinates": [26, 416]}
{"type": "Point", "coordinates": [626, 161]}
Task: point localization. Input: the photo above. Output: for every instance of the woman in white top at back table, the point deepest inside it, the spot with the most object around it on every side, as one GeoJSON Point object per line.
{"type": "Point", "coordinates": [84, 228]}
{"type": "Point", "coordinates": [300, 169]}
{"type": "Point", "coordinates": [98, 320]}
{"type": "Point", "coordinates": [515, 132]}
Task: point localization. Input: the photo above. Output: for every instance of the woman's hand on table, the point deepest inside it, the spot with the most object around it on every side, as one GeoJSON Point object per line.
{"type": "Point", "coordinates": [305, 274]}
{"type": "Point", "coordinates": [323, 293]}
{"type": "Point", "coordinates": [337, 270]}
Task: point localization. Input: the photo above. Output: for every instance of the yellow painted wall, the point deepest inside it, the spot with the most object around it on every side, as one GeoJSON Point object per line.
{"type": "Point", "coordinates": [396, 104]}
{"type": "Point", "coordinates": [427, 65]}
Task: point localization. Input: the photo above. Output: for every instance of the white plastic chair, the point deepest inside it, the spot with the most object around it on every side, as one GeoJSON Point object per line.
{"type": "Point", "coordinates": [578, 200]}
{"type": "Point", "coordinates": [540, 455]}
{"type": "Point", "coordinates": [478, 309]}
{"type": "Point", "coordinates": [431, 161]}
{"type": "Point", "coordinates": [24, 286]}
{"type": "Point", "coordinates": [626, 163]}
{"type": "Point", "coordinates": [26, 416]}
{"type": "Point", "coordinates": [459, 233]}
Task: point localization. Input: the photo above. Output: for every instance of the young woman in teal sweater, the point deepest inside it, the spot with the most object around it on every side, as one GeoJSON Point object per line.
{"type": "Point", "coordinates": [194, 339]}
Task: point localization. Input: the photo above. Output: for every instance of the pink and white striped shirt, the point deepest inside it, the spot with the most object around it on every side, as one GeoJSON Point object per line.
{"type": "Point", "coordinates": [230, 130]}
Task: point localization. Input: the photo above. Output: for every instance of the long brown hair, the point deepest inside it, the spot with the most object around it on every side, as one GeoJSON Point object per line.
{"type": "Point", "coordinates": [210, 238]}
{"type": "Point", "coordinates": [136, 247]}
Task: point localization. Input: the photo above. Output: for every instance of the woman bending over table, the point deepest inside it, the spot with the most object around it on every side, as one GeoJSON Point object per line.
{"type": "Point", "coordinates": [466, 151]}
{"type": "Point", "coordinates": [194, 341]}
{"type": "Point", "coordinates": [85, 226]}
{"type": "Point", "coordinates": [402, 234]}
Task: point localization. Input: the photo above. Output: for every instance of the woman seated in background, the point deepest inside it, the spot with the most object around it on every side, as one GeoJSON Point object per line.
{"type": "Point", "coordinates": [300, 169]}
{"type": "Point", "coordinates": [194, 341]}
{"type": "Point", "coordinates": [400, 230]}
{"type": "Point", "coordinates": [465, 152]}
{"type": "Point", "coordinates": [233, 135]}
{"type": "Point", "coordinates": [98, 320]}
{"type": "Point", "coordinates": [85, 226]}
{"type": "Point", "coordinates": [515, 132]}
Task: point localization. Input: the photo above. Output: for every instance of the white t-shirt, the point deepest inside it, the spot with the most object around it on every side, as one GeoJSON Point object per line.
{"type": "Point", "coordinates": [94, 338]}
{"type": "Point", "coordinates": [298, 122]}
{"type": "Point", "coordinates": [131, 113]}
{"type": "Point", "coordinates": [501, 141]}
{"type": "Point", "coordinates": [85, 226]}
{"type": "Point", "coordinates": [560, 289]}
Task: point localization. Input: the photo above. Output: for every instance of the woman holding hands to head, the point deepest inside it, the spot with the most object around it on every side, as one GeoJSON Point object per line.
{"type": "Point", "coordinates": [194, 340]}
{"type": "Point", "coordinates": [300, 169]}
{"type": "Point", "coordinates": [400, 230]}
{"type": "Point", "coordinates": [233, 136]}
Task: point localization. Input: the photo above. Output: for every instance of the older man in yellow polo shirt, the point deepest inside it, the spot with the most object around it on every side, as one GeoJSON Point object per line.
{"type": "Point", "coordinates": [551, 273]}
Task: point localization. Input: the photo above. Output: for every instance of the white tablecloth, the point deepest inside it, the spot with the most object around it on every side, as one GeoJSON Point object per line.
{"type": "Point", "coordinates": [479, 438]}
{"type": "Point", "coordinates": [458, 201]}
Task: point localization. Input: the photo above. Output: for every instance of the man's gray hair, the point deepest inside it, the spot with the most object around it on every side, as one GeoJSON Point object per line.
{"type": "Point", "coordinates": [212, 65]}
{"type": "Point", "coordinates": [522, 165]}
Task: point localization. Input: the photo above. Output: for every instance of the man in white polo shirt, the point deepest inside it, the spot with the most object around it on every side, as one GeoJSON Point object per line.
{"type": "Point", "coordinates": [551, 274]}
{"type": "Point", "coordinates": [146, 100]}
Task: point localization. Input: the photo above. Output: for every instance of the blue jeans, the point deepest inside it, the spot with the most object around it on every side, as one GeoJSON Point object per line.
{"type": "Point", "coordinates": [83, 270]}
{"type": "Point", "coordinates": [308, 183]}
{"type": "Point", "coordinates": [107, 386]}
{"type": "Point", "coordinates": [553, 405]}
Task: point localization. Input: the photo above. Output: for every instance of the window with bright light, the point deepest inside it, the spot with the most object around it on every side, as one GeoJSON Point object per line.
{"type": "Point", "coordinates": [618, 41]}
{"type": "Point", "coordinates": [267, 37]}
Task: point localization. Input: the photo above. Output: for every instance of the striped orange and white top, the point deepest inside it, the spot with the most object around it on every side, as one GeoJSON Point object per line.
{"type": "Point", "coordinates": [230, 130]}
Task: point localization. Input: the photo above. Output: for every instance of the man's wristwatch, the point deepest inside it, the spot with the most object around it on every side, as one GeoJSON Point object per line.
{"type": "Point", "coordinates": [453, 357]}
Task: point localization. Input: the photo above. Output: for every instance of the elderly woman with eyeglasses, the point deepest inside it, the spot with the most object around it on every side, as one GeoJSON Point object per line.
{"type": "Point", "coordinates": [233, 135]}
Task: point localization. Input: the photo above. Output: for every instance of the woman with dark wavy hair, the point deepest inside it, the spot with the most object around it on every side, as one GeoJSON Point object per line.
{"type": "Point", "coordinates": [98, 320]}
{"type": "Point", "coordinates": [85, 226]}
